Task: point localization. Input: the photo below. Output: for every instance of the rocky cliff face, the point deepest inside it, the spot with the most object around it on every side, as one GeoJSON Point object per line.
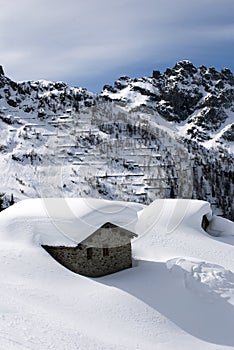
{"type": "Point", "coordinates": [169, 135]}
{"type": "Point", "coordinates": [199, 100]}
{"type": "Point", "coordinates": [42, 97]}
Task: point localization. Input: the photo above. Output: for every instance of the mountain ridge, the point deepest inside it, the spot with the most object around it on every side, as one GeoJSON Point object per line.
{"type": "Point", "coordinates": [126, 133]}
{"type": "Point", "coordinates": [203, 97]}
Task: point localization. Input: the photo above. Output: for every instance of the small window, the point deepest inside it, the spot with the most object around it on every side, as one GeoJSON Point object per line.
{"type": "Point", "coordinates": [105, 251]}
{"type": "Point", "coordinates": [89, 253]}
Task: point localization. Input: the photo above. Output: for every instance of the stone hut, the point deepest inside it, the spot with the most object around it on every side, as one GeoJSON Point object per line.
{"type": "Point", "coordinates": [105, 251]}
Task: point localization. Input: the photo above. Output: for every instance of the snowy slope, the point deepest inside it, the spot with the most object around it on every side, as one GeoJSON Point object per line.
{"type": "Point", "coordinates": [165, 136]}
{"type": "Point", "coordinates": [179, 295]}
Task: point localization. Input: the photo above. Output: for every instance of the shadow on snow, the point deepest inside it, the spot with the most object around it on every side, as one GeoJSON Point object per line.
{"type": "Point", "coordinates": [210, 320]}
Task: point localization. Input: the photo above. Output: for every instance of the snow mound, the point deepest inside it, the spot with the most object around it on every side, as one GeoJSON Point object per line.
{"type": "Point", "coordinates": [220, 227]}
{"type": "Point", "coordinates": [169, 214]}
{"type": "Point", "coordinates": [168, 228]}
{"type": "Point", "coordinates": [63, 221]}
{"type": "Point", "coordinates": [209, 281]}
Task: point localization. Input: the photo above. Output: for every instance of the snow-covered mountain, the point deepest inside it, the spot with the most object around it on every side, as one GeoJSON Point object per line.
{"type": "Point", "coordinates": [169, 135]}
{"type": "Point", "coordinates": [200, 100]}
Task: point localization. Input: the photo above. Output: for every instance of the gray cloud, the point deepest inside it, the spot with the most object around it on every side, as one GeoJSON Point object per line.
{"type": "Point", "coordinates": [89, 39]}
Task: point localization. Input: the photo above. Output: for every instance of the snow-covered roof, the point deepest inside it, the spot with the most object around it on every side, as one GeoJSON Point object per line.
{"type": "Point", "coordinates": [114, 230]}
{"type": "Point", "coordinates": [64, 221]}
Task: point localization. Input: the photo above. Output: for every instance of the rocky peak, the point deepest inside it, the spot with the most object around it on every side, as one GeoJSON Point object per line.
{"type": "Point", "coordinates": [43, 97]}
{"type": "Point", "coordinates": [185, 65]}
{"type": "Point", "coordinates": [200, 96]}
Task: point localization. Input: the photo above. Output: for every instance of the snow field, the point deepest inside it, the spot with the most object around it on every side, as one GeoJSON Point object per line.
{"type": "Point", "coordinates": [178, 295]}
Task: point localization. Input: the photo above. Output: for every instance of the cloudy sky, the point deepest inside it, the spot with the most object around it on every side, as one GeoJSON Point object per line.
{"type": "Point", "coordinates": [92, 42]}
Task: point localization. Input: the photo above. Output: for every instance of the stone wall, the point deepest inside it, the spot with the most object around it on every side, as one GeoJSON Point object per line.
{"type": "Point", "coordinates": [92, 262]}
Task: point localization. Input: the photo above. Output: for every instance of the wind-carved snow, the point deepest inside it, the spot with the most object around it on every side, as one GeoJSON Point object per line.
{"type": "Point", "coordinates": [209, 281]}
{"type": "Point", "coordinates": [218, 227]}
